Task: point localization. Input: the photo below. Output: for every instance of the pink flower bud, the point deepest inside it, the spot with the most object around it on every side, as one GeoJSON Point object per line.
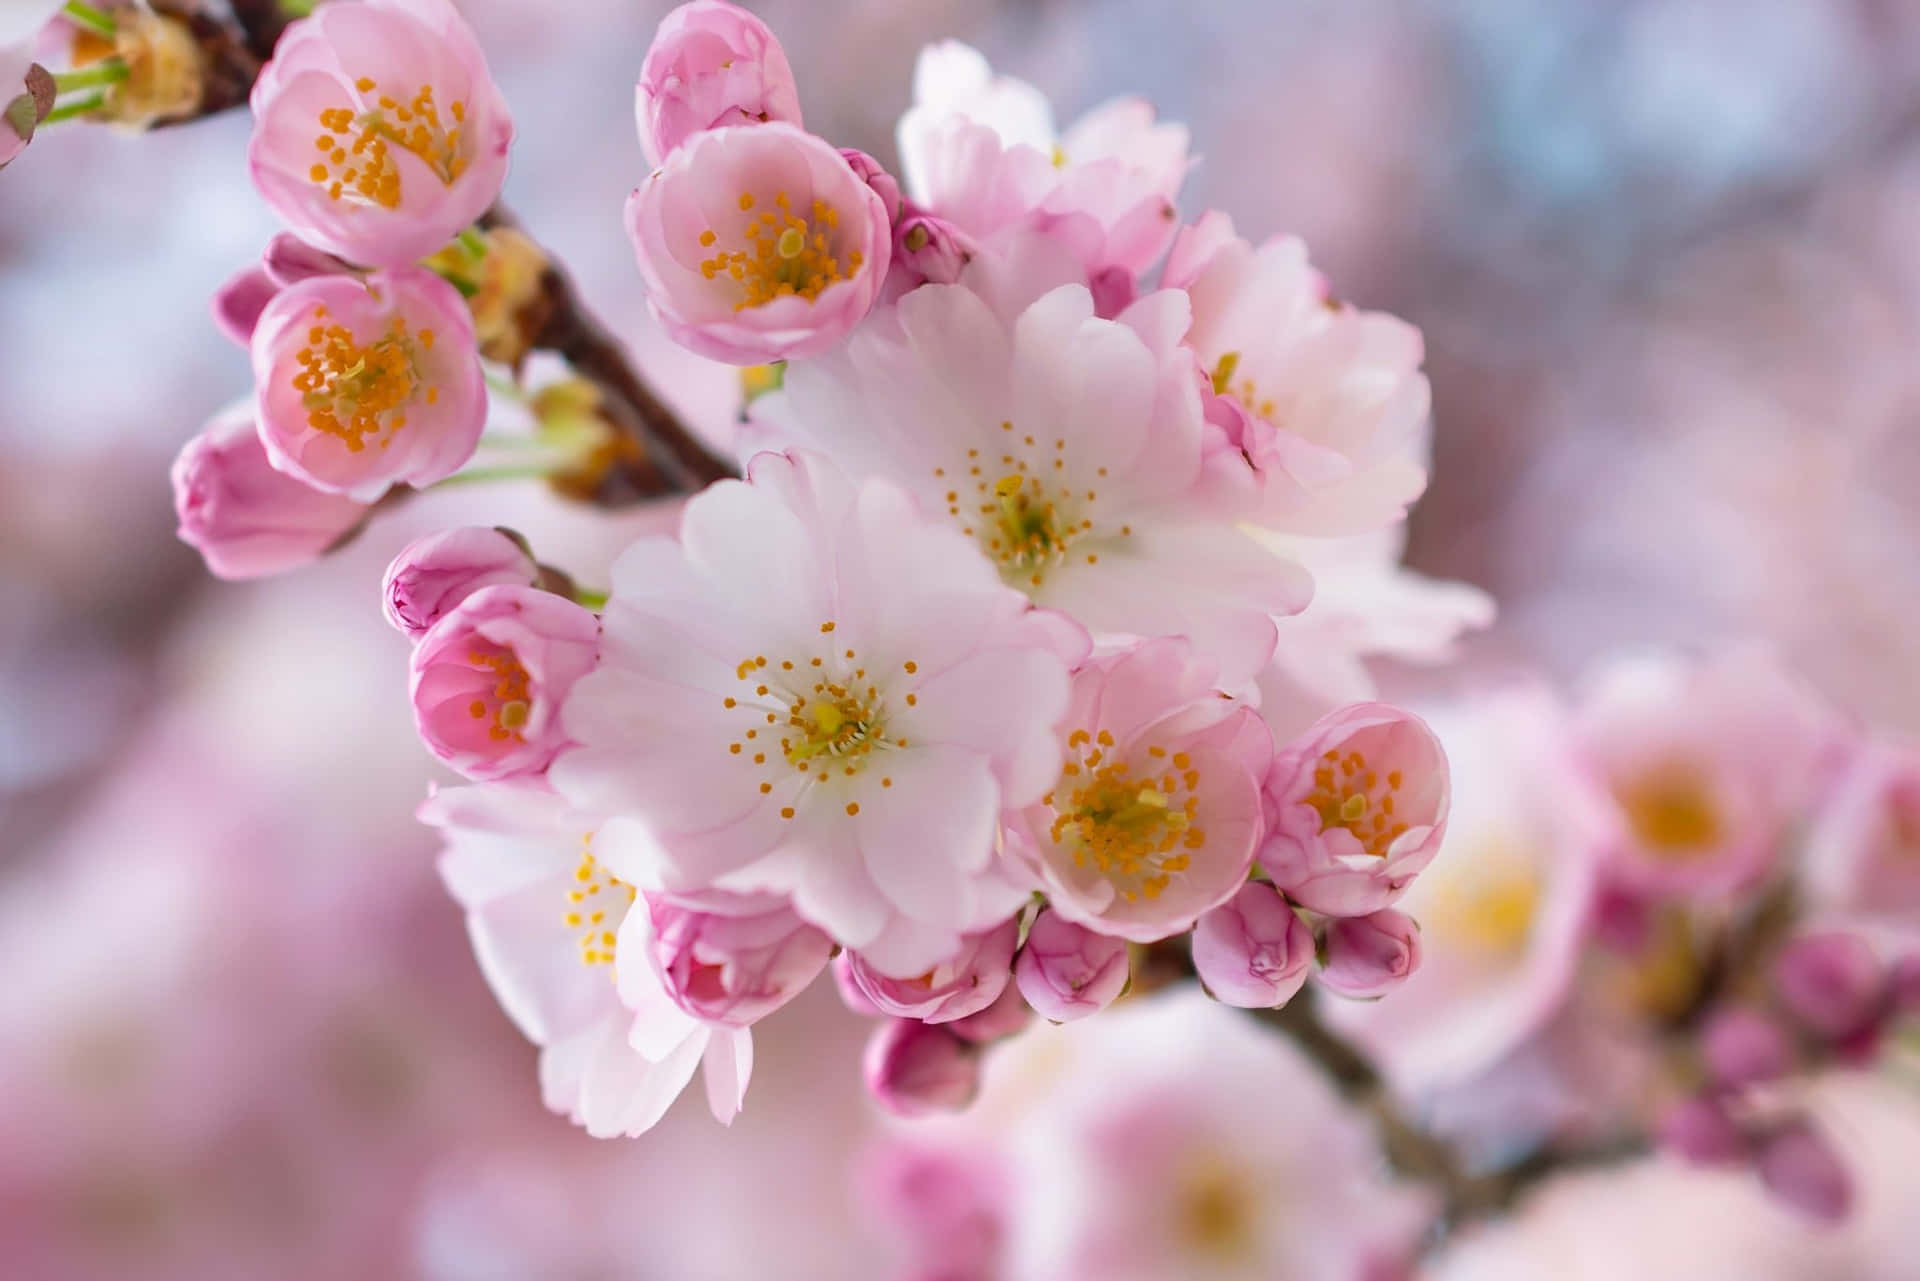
{"type": "Point", "coordinates": [928, 250]}
{"type": "Point", "coordinates": [1906, 984]}
{"type": "Point", "coordinates": [1254, 951]}
{"type": "Point", "coordinates": [965, 983]}
{"type": "Point", "coordinates": [237, 304]}
{"type": "Point", "coordinates": [288, 260]}
{"type": "Point", "coordinates": [1066, 971]}
{"type": "Point", "coordinates": [247, 519]}
{"type": "Point", "coordinates": [711, 64]}
{"type": "Point", "coordinates": [419, 133]}
{"type": "Point", "coordinates": [1800, 1167]}
{"type": "Point", "coordinates": [366, 385]}
{"type": "Point", "coordinates": [1700, 1130]}
{"type": "Point", "coordinates": [437, 572]}
{"type": "Point", "coordinates": [490, 677]}
{"type": "Point", "coordinates": [1368, 956]}
{"type": "Point", "coordinates": [1740, 1047]}
{"type": "Point", "coordinates": [1007, 1016]}
{"type": "Point", "coordinates": [914, 1068]}
{"type": "Point", "coordinates": [732, 969]}
{"type": "Point", "coordinates": [850, 991]}
{"type": "Point", "coordinates": [701, 221]}
{"type": "Point", "coordinates": [875, 175]}
{"type": "Point", "coordinates": [1832, 983]}
{"type": "Point", "coordinates": [1358, 806]}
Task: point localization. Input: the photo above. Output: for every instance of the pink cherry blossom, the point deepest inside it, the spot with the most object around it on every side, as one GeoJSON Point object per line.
{"type": "Point", "coordinates": [818, 691]}
{"type": "Point", "coordinates": [731, 960]}
{"type": "Point", "coordinates": [1863, 852]}
{"type": "Point", "coordinates": [1358, 805]}
{"type": "Point", "coordinates": [434, 574]}
{"type": "Point", "coordinates": [963, 984]}
{"type": "Point", "coordinates": [490, 677]}
{"type": "Point", "coordinates": [1707, 763]}
{"type": "Point", "coordinates": [1065, 446]}
{"type": "Point", "coordinates": [759, 243]}
{"type": "Point", "coordinates": [1158, 813]}
{"type": "Point", "coordinates": [366, 385]}
{"type": "Point", "coordinates": [245, 518]}
{"type": "Point", "coordinates": [711, 64]}
{"type": "Point", "coordinates": [1368, 956]}
{"type": "Point", "coordinates": [546, 922]}
{"type": "Point", "coordinates": [941, 1204]}
{"type": "Point", "coordinates": [1326, 403]}
{"type": "Point", "coordinates": [1253, 951]}
{"type": "Point", "coordinates": [1066, 971]}
{"type": "Point", "coordinates": [378, 132]}
{"type": "Point", "coordinates": [915, 1069]}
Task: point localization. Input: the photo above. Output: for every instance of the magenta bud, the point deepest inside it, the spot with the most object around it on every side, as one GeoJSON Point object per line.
{"type": "Point", "coordinates": [1007, 1016]}
{"type": "Point", "coordinates": [237, 304]}
{"type": "Point", "coordinates": [876, 177]}
{"type": "Point", "coordinates": [1741, 1047]}
{"type": "Point", "coordinates": [1253, 951]}
{"type": "Point", "coordinates": [288, 260]}
{"type": "Point", "coordinates": [1370, 955]}
{"type": "Point", "coordinates": [1800, 1167]}
{"type": "Point", "coordinates": [930, 250]}
{"type": "Point", "coordinates": [434, 574]}
{"type": "Point", "coordinates": [1066, 971]}
{"type": "Point", "coordinates": [1700, 1130]}
{"type": "Point", "coordinates": [914, 1068]}
{"type": "Point", "coordinates": [1113, 289]}
{"type": "Point", "coordinates": [965, 983]}
{"type": "Point", "coordinates": [1833, 984]}
{"type": "Point", "coordinates": [850, 993]}
{"type": "Point", "coordinates": [1906, 985]}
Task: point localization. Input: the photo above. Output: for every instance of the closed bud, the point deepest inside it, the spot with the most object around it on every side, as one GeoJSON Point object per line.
{"type": "Point", "coordinates": [710, 65]}
{"type": "Point", "coordinates": [1066, 971]}
{"type": "Point", "coordinates": [1700, 1130]}
{"type": "Point", "coordinates": [1368, 956]}
{"type": "Point", "coordinates": [1739, 1047]}
{"type": "Point", "coordinates": [1799, 1167]}
{"type": "Point", "coordinates": [915, 1069]}
{"type": "Point", "coordinates": [1833, 984]}
{"type": "Point", "coordinates": [965, 983]}
{"type": "Point", "coordinates": [434, 574]}
{"type": "Point", "coordinates": [1255, 951]}
{"type": "Point", "coordinates": [732, 967]}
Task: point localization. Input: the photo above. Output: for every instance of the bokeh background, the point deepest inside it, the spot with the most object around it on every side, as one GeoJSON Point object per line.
{"type": "Point", "coordinates": [1666, 254]}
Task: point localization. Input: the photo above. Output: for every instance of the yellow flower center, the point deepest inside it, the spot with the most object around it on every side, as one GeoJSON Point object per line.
{"type": "Point", "coordinates": [1348, 794]}
{"type": "Point", "coordinates": [596, 904]}
{"type": "Point", "coordinates": [1137, 831]}
{"type": "Point", "coordinates": [356, 157]}
{"type": "Point", "coordinates": [1021, 510]}
{"type": "Point", "coordinates": [354, 391]}
{"type": "Point", "coordinates": [1243, 391]}
{"type": "Point", "coordinates": [781, 254]}
{"type": "Point", "coordinates": [1672, 812]}
{"type": "Point", "coordinates": [1487, 903]}
{"type": "Point", "coordinates": [508, 703]}
{"type": "Point", "coordinates": [1214, 1211]}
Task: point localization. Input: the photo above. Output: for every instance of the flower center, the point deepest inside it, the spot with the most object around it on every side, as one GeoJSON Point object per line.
{"type": "Point", "coordinates": [356, 157]}
{"type": "Point", "coordinates": [508, 702]}
{"type": "Point", "coordinates": [822, 716]}
{"type": "Point", "coordinates": [781, 253]}
{"type": "Point", "coordinates": [1489, 903]}
{"type": "Point", "coordinates": [1137, 832]}
{"type": "Point", "coordinates": [1216, 1212]}
{"type": "Point", "coordinates": [596, 904]}
{"type": "Point", "coordinates": [1672, 812]}
{"type": "Point", "coordinates": [1348, 794]}
{"type": "Point", "coordinates": [1024, 511]}
{"type": "Point", "coordinates": [352, 391]}
{"type": "Point", "coordinates": [1243, 391]}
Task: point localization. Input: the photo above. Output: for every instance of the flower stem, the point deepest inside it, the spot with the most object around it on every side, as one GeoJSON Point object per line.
{"type": "Point", "coordinates": [591, 599]}
{"type": "Point", "coordinates": [112, 71]}
{"type": "Point", "coordinates": [473, 242]}
{"type": "Point", "coordinates": [95, 20]}
{"type": "Point", "coordinates": [493, 475]}
{"type": "Point", "coordinates": [297, 8]}
{"type": "Point", "coordinates": [73, 110]}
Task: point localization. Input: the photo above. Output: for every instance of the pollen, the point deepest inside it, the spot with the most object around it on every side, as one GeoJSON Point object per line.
{"type": "Point", "coordinates": [360, 145]}
{"type": "Point", "coordinates": [506, 702]}
{"type": "Point", "coordinates": [1672, 811]}
{"type": "Point", "coordinates": [1348, 795]}
{"type": "Point", "coordinates": [596, 904]}
{"type": "Point", "coordinates": [779, 252]}
{"type": "Point", "coordinates": [358, 392]}
{"type": "Point", "coordinates": [1136, 829]}
{"type": "Point", "coordinates": [1244, 390]}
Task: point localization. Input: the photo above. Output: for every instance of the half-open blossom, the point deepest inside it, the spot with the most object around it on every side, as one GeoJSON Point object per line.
{"type": "Point", "coordinates": [1253, 951]}
{"type": "Point", "coordinates": [728, 959]}
{"type": "Point", "coordinates": [1066, 971]}
{"type": "Point", "coordinates": [1157, 813]}
{"type": "Point", "coordinates": [365, 385]}
{"type": "Point", "coordinates": [490, 677]}
{"type": "Point", "coordinates": [1358, 805]}
{"type": "Point", "coordinates": [246, 518]}
{"type": "Point", "coordinates": [965, 983]}
{"type": "Point", "coordinates": [545, 918]}
{"type": "Point", "coordinates": [711, 64]}
{"type": "Point", "coordinates": [433, 574]}
{"type": "Point", "coordinates": [1369, 956]}
{"type": "Point", "coordinates": [915, 1069]}
{"type": "Point", "coordinates": [1067, 447]}
{"type": "Point", "coordinates": [1325, 402]}
{"type": "Point", "coordinates": [759, 243]}
{"type": "Point", "coordinates": [1863, 852]}
{"type": "Point", "coordinates": [378, 132]}
{"type": "Point", "coordinates": [1707, 763]}
{"type": "Point", "coordinates": [981, 150]}
{"type": "Point", "coordinates": [818, 691]}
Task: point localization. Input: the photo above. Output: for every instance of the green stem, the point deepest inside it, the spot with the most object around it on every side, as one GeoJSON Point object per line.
{"type": "Point", "coordinates": [73, 110]}
{"type": "Point", "coordinates": [591, 599]}
{"type": "Point", "coordinates": [297, 8]}
{"type": "Point", "coordinates": [511, 444]}
{"type": "Point", "coordinates": [473, 242]}
{"type": "Point", "coordinates": [505, 386]}
{"type": "Point", "coordinates": [491, 475]}
{"type": "Point", "coordinates": [95, 20]}
{"type": "Point", "coordinates": [110, 72]}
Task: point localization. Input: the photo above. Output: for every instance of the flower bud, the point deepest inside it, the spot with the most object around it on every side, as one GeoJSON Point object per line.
{"type": "Point", "coordinates": [1368, 956]}
{"type": "Point", "coordinates": [929, 250]}
{"type": "Point", "coordinates": [489, 679]}
{"type": "Point", "coordinates": [875, 175]}
{"type": "Point", "coordinates": [1832, 983]}
{"type": "Point", "coordinates": [237, 304]}
{"type": "Point", "coordinates": [965, 983]}
{"type": "Point", "coordinates": [1007, 1016]}
{"type": "Point", "coordinates": [1700, 1130]}
{"type": "Point", "coordinates": [437, 572]}
{"type": "Point", "coordinates": [914, 1068]}
{"type": "Point", "coordinates": [732, 969]}
{"type": "Point", "coordinates": [1254, 951]}
{"type": "Point", "coordinates": [245, 518]}
{"type": "Point", "coordinates": [1799, 1166]}
{"type": "Point", "coordinates": [851, 994]}
{"type": "Point", "coordinates": [1740, 1047]}
{"type": "Point", "coordinates": [710, 64]}
{"type": "Point", "coordinates": [1066, 971]}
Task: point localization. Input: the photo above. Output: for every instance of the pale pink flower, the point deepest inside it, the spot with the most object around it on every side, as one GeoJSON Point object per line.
{"type": "Point", "coordinates": [1253, 951]}
{"type": "Point", "coordinates": [941, 1204]}
{"type": "Point", "coordinates": [1065, 446]}
{"type": "Point", "coordinates": [1066, 971]}
{"type": "Point", "coordinates": [982, 151]}
{"type": "Point", "coordinates": [1863, 852]}
{"type": "Point", "coordinates": [245, 518]}
{"type": "Point", "coordinates": [729, 959]}
{"type": "Point", "coordinates": [378, 132]}
{"type": "Point", "coordinates": [914, 1068]}
{"type": "Point", "coordinates": [434, 574]}
{"type": "Point", "coordinates": [1325, 402]}
{"type": "Point", "coordinates": [365, 385]}
{"type": "Point", "coordinates": [817, 691]}
{"type": "Point", "coordinates": [759, 244]}
{"type": "Point", "coordinates": [1707, 763]}
{"type": "Point", "coordinates": [546, 919]}
{"type": "Point", "coordinates": [1358, 805]}
{"type": "Point", "coordinates": [489, 679]}
{"type": "Point", "coordinates": [1158, 812]}
{"type": "Point", "coordinates": [1368, 956]}
{"type": "Point", "coordinates": [965, 983]}
{"type": "Point", "coordinates": [711, 64]}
